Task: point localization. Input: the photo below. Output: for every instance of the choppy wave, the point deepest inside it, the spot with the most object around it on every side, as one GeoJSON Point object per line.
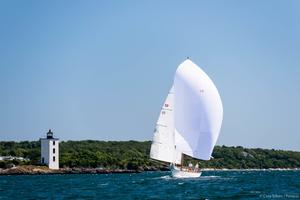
{"type": "Point", "coordinates": [222, 184]}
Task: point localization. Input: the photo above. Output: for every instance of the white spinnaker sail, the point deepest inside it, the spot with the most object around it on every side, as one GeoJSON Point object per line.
{"type": "Point", "coordinates": [198, 111]}
{"type": "Point", "coordinates": [163, 144]}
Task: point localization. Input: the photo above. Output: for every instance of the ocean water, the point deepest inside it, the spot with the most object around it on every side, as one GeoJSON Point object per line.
{"type": "Point", "coordinates": [154, 185]}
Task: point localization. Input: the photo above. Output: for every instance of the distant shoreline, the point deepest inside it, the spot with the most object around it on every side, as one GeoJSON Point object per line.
{"type": "Point", "coordinates": [251, 169]}
{"type": "Point", "coordinates": [42, 170]}
{"type": "Point", "coordinates": [134, 155]}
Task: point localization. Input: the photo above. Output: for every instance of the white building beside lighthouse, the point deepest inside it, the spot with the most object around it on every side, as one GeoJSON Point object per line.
{"type": "Point", "coordinates": [50, 151]}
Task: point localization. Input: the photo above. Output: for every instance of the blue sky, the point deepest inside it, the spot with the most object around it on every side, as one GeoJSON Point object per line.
{"type": "Point", "coordinates": [101, 70]}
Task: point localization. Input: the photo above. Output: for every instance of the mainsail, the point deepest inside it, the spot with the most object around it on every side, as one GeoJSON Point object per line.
{"type": "Point", "coordinates": [163, 144]}
{"type": "Point", "coordinates": [198, 111]}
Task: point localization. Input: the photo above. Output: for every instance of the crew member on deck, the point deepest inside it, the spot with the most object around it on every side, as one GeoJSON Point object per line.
{"type": "Point", "coordinates": [190, 166]}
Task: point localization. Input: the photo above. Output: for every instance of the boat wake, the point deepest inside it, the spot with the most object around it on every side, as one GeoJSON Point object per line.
{"type": "Point", "coordinates": [169, 177]}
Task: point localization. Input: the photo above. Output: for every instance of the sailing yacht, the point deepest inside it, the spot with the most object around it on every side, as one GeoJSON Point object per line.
{"type": "Point", "coordinates": [189, 122]}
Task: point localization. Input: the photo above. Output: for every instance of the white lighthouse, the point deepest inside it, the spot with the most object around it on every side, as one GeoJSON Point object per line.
{"type": "Point", "coordinates": [50, 151]}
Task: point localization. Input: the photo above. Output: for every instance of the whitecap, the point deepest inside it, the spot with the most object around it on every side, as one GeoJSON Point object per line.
{"type": "Point", "coordinates": [166, 177]}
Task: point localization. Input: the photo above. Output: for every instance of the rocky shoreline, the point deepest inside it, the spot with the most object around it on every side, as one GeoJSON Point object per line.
{"type": "Point", "coordinates": [42, 170]}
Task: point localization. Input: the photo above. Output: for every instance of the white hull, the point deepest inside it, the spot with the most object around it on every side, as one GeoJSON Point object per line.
{"type": "Point", "coordinates": [177, 173]}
